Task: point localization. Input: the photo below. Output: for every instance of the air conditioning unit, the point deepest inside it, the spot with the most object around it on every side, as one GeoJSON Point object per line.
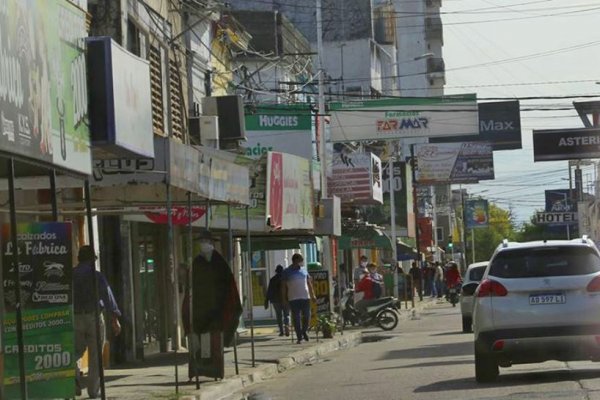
{"type": "Point", "coordinates": [209, 131]}
{"type": "Point", "coordinates": [230, 110]}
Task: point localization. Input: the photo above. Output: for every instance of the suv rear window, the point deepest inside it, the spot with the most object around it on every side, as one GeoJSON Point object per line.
{"type": "Point", "coordinates": [476, 274]}
{"type": "Point", "coordinates": [545, 261]}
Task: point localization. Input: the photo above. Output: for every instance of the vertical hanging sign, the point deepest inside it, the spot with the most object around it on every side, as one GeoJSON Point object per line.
{"type": "Point", "coordinates": [45, 264]}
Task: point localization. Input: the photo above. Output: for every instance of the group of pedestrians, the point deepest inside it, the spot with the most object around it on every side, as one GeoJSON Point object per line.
{"type": "Point", "coordinates": [291, 289]}
{"type": "Point", "coordinates": [433, 279]}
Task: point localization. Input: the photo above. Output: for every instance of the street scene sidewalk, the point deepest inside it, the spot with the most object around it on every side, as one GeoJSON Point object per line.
{"type": "Point", "coordinates": [155, 377]}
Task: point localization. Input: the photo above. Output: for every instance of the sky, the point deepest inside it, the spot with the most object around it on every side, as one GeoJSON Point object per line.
{"type": "Point", "coordinates": [529, 48]}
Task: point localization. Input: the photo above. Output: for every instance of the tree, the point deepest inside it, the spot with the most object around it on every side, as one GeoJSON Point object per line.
{"type": "Point", "coordinates": [531, 231]}
{"type": "Point", "coordinates": [500, 227]}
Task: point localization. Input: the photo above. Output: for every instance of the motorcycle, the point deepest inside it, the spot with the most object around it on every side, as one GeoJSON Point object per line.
{"type": "Point", "coordinates": [453, 292]}
{"type": "Point", "coordinates": [382, 313]}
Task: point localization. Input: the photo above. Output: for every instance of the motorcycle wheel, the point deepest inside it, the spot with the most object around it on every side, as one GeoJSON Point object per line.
{"type": "Point", "coordinates": [387, 320]}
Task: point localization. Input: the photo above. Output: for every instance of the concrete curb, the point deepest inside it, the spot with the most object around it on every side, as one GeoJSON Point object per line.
{"type": "Point", "coordinates": [232, 385]}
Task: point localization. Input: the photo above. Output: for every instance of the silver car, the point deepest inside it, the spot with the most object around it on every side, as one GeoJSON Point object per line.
{"type": "Point", "coordinates": [538, 301]}
{"type": "Point", "coordinates": [470, 282]}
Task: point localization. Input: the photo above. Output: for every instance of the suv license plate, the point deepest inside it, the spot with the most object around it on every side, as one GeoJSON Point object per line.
{"type": "Point", "coordinates": [549, 298]}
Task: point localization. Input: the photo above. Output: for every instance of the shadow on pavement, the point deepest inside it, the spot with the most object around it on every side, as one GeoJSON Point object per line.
{"type": "Point", "coordinates": [430, 351]}
{"type": "Point", "coordinates": [508, 379]}
{"type": "Point", "coordinates": [449, 333]}
{"type": "Point", "coordinates": [428, 364]}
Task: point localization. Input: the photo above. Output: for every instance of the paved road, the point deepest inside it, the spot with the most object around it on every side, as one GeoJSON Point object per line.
{"type": "Point", "coordinates": [425, 359]}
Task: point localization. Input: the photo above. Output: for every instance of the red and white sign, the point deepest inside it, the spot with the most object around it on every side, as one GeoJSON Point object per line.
{"type": "Point", "coordinates": [289, 200]}
{"type": "Point", "coordinates": [356, 178]}
{"type": "Point", "coordinates": [159, 215]}
{"type": "Point", "coordinates": [275, 182]}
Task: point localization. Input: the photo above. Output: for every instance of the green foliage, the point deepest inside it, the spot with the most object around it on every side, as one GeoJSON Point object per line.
{"type": "Point", "coordinates": [531, 231]}
{"type": "Point", "coordinates": [326, 325]}
{"type": "Point", "coordinates": [487, 239]}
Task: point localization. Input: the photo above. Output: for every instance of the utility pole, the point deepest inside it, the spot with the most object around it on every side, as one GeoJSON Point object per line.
{"type": "Point", "coordinates": [394, 264]}
{"type": "Point", "coordinates": [327, 242]}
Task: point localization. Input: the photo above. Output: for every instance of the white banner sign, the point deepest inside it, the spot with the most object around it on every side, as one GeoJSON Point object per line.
{"type": "Point", "coordinates": [392, 119]}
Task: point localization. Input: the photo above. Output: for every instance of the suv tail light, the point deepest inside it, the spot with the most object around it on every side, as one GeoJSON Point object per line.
{"type": "Point", "coordinates": [492, 288]}
{"type": "Point", "coordinates": [594, 285]}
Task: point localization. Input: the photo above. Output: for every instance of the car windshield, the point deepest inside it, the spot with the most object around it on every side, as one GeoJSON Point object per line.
{"type": "Point", "coordinates": [545, 261]}
{"type": "Point", "coordinates": [476, 274]}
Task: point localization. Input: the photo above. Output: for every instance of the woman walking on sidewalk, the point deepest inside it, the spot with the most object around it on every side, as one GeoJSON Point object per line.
{"type": "Point", "coordinates": [274, 296]}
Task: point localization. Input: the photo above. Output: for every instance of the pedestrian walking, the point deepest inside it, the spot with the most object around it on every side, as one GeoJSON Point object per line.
{"type": "Point", "coordinates": [297, 292]}
{"type": "Point", "coordinates": [85, 304]}
{"type": "Point", "coordinates": [274, 294]}
{"type": "Point", "coordinates": [439, 279]}
{"type": "Point", "coordinates": [417, 279]}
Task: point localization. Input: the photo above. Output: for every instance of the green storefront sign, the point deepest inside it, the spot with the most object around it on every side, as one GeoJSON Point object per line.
{"type": "Point", "coordinates": [43, 83]}
{"type": "Point", "coordinates": [45, 265]}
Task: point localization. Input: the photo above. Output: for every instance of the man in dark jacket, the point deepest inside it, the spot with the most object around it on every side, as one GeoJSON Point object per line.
{"type": "Point", "coordinates": [274, 296]}
{"type": "Point", "coordinates": [84, 304]}
{"type": "Point", "coordinates": [216, 306]}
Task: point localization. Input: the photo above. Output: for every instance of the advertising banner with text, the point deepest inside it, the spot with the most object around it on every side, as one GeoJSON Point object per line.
{"type": "Point", "coordinates": [323, 303]}
{"type": "Point", "coordinates": [285, 129]}
{"type": "Point", "coordinates": [476, 214]}
{"type": "Point", "coordinates": [467, 162]}
{"type": "Point", "coordinates": [566, 144]}
{"type": "Point", "coordinates": [47, 308]}
{"type": "Point", "coordinates": [499, 124]}
{"type": "Point", "coordinates": [356, 178]}
{"type": "Point", "coordinates": [392, 119]}
{"type": "Point", "coordinates": [289, 192]}
{"type": "Point", "coordinates": [43, 83]}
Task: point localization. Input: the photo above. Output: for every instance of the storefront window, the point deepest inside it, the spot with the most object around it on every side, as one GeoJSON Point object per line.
{"type": "Point", "coordinates": [259, 278]}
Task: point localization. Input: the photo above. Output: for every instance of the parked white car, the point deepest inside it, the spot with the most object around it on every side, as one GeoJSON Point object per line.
{"type": "Point", "coordinates": [470, 282]}
{"type": "Point", "coordinates": [538, 301]}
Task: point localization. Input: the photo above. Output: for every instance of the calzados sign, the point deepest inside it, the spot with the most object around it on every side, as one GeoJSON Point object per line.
{"type": "Point", "coordinates": [45, 276]}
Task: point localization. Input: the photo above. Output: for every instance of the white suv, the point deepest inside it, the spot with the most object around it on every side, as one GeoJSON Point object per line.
{"type": "Point", "coordinates": [538, 301]}
{"type": "Point", "coordinates": [471, 281]}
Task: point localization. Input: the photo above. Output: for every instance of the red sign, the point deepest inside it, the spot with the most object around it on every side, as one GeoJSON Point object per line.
{"type": "Point", "coordinates": [159, 215]}
{"type": "Point", "coordinates": [276, 190]}
{"type": "Point", "coordinates": [425, 233]}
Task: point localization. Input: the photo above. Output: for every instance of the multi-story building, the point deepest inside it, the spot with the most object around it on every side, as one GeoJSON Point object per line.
{"type": "Point", "coordinates": [140, 254]}
{"type": "Point", "coordinates": [359, 41]}
{"type": "Point", "coordinates": [420, 38]}
{"type": "Point", "coordinates": [276, 66]}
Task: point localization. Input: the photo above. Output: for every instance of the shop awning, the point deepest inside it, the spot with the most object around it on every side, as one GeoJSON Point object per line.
{"type": "Point", "coordinates": [265, 243]}
{"type": "Point", "coordinates": [363, 236]}
{"type": "Point", "coordinates": [405, 251]}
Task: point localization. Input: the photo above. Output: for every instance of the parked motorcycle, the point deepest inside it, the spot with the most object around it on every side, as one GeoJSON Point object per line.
{"type": "Point", "coordinates": [382, 313]}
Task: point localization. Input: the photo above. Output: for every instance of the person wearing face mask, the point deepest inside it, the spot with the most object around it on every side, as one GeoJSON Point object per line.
{"type": "Point", "coordinates": [361, 270]}
{"type": "Point", "coordinates": [216, 306]}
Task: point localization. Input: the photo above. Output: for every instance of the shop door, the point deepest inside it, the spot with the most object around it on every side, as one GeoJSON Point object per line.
{"type": "Point", "coordinates": [260, 282]}
{"type": "Point", "coordinates": [149, 292]}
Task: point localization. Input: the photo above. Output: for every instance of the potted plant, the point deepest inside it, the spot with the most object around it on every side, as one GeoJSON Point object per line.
{"type": "Point", "coordinates": [326, 326]}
